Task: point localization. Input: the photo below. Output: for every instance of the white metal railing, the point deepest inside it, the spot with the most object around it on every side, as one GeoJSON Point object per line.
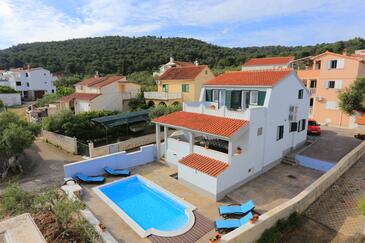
{"type": "Point", "coordinates": [211, 108]}
{"type": "Point", "coordinates": [162, 95]}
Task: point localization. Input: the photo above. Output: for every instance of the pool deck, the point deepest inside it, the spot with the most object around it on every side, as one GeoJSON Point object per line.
{"type": "Point", "coordinates": [267, 190]}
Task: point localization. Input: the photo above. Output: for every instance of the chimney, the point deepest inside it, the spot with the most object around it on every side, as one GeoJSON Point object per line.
{"type": "Point", "coordinates": [171, 60]}
{"type": "Point", "coordinates": [344, 52]}
{"type": "Point", "coordinates": [196, 63]}
{"type": "Point", "coordinates": [96, 74]}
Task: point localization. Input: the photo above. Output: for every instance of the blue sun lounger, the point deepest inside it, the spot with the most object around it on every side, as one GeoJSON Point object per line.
{"type": "Point", "coordinates": [113, 172]}
{"type": "Point", "coordinates": [90, 179]}
{"type": "Point", "coordinates": [231, 224]}
{"type": "Point", "coordinates": [237, 209]}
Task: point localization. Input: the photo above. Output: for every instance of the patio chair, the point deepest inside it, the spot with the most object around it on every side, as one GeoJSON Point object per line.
{"type": "Point", "coordinates": [241, 209]}
{"type": "Point", "coordinates": [223, 226]}
{"type": "Point", "coordinates": [113, 172]}
{"type": "Point", "coordinates": [90, 179]}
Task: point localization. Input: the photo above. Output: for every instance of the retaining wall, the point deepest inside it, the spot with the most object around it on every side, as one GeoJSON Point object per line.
{"type": "Point", "coordinates": [66, 143]}
{"type": "Point", "coordinates": [252, 232]}
{"type": "Point", "coordinates": [121, 160]}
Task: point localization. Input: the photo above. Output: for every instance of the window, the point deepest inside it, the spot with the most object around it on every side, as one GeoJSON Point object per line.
{"type": "Point", "coordinates": [215, 95]}
{"type": "Point", "coordinates": [279, 133]}
{"type": "Point", "coordinates": [301, 125]}
{"type": "Point", "coordinates": [259, 131]}
{"type": "Point", "coordinates": [331, 84]}
{"type": "Point", "coordinates": [300, 94]}
{"type": "Point", "coordinates": [311, 100]}
{"type": "Point", "coordinates": [333, 64]}
{"type": "Point", "coordinates": [313, 83]}
{"type": "Point", "coordinates": [27, 75]}
{"type": "Point", "coordinates": [254, 97]}
{"type": "Point", "coordinates": [293, 126]}
{"type": "Point", "coordinates": [318, 65]}
{"type": "Point", "coordinates": [236, 99]}
{"type": "Point", "coordinates": [185, 88]}
{"type": "Point", "coordinates": [331, 105]}
{"type": "Point", "coordinates": [312, 123]}
{"type": "Point", "coordinates": [27, 84]}
{"type": "Point", "coordinates": [209, 95]}
{"type": "Point", "coordinates": [18, 83]}
{"type": "Point", "coordinates": [261, 98]}
{"type": "Point", "coordinates": [165, 88]}
{"type": "Point", "coordinates": [52, 91]}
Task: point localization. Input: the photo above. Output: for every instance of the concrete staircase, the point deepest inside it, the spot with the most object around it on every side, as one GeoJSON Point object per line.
{"type": "Point", "coordinates": [289, 160]}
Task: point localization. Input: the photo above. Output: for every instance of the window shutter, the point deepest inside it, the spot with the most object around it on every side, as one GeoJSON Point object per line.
{"type": "Point", "coordinates": [261, 100]}
{"type": "Point", "coordinates": [208, 95]}
{"type": "Point", "coordinates": [326, 84]}
{"type": "Point", "coordinates": [338, 84]}
{"type": "Point", "coordinates": [328, 64]}
{"type": "Point", "coordinates": [228, 98]}
{"type": "Point", "coordinates": [254, 97]}
{"type": "Point", "coordinates": [340, 63]}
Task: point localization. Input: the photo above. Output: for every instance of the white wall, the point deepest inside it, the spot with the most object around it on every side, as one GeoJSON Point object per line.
{"type": "Point", "coordinates": [11, 99]}
{"type": "Point", "coordinates": [82, 106]}
{"type": "Point", "coordinates": [176, 150]}
{"type": "Point", "coordinates": [263, 67]}
{"type": "Point", "coordinates": [110, 99]}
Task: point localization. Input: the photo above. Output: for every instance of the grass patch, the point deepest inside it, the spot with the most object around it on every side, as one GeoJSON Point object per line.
{"type": "Point", "coordinates": [362, 206]}
{"type": "Point", "coordinates": [282, 227]}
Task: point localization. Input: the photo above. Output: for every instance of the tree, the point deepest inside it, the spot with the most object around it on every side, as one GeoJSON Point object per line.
{"type": "Point", "coordinates": [137, 103]}
{"type": "Point", "coordinates": [162, 110]}
{"type": "Point", "coordinates": [15, 136]}
{"type": "Point", "coordinates": [353, 99]}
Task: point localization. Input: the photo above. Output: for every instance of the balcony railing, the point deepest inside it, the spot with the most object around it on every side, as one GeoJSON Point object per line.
{"type": "Point", "coordinates": [211, 108]}
{"type": "Point", "coordinates": [162, 96]}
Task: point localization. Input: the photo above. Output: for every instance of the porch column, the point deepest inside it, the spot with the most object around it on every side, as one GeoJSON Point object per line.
{"type": "Point", "coordinates": [165, 135]}
{"type": "Point", "coordinates": [191, 142]}
{"type": "Point", "coordinates": [158, 142]}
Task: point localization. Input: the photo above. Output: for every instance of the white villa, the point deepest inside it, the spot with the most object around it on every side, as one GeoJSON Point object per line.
{"type": "Point", "coordinates": [32, 83]}
{"type": "Point", "coordinates": [101, 93]}
{"type": "Point", "coordinates": [243, 125]}
{"type": "Point", "coordinates": [265, 63]}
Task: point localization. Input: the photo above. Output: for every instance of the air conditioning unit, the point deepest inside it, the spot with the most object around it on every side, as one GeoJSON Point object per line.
{"type": "Point", "coordinates": [319, 98]}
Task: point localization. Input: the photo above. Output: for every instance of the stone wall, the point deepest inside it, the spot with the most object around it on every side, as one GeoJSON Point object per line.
{"type": "Point", "coordinates": [66, 143]}
{"type": "Point", "coordinates": [252, 232]}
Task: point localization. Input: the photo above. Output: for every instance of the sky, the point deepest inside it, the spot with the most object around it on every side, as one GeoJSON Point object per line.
{"type": "Point", "coordinates": [232, 23]}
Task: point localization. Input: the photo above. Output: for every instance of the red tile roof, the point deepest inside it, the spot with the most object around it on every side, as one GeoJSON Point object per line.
{"type": "Point", "coordinates": [221, 126]}
{"type": "Point", "coordinates": [268, 61]}
{"type": "Point", "coordinates": [360, 120]}
{"type": "Point", "coordinates": [266, 78]}
{"type": "Point", "coordinates": [79, 96]}
{"type": "Point", "coordinates": [204, 164]}
{"type": "Point", "coordinates": [187, 72]}
{"type": "Point", "coordinates": [99, 82]}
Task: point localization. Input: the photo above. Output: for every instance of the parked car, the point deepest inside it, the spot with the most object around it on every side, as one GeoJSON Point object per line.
{"type": "Point", "coordinates": [314, 127]}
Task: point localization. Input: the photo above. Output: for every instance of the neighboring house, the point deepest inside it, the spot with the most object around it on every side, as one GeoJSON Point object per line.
{"type": "Point", "coordinates": [179, 84]}
{"type": "Point", "coordinates": [244, 124]}
{"type": "Point", "coordinates": [32, 83]}
{"type": "Point", "coordinates": [326, 75]}
{"type": "Point", "coordinates": [172, 63]}
{"type": "Point", "coordinates": [267, 63]}
{"type": "Point", "coordinates": [101, 93]}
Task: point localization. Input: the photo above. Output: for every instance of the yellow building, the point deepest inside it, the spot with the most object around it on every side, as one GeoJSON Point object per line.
{"type": "Point", "coordinates": [179, 84]}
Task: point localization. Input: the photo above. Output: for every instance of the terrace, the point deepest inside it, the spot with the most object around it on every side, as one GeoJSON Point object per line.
{"type": "Point", "coordinates": [286, 181]}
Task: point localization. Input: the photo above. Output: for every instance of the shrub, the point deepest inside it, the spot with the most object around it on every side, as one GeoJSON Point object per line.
{"type": "Point", "coordinates": [162, 110]}
{"type": "Point", "coordinates": [362, 206]}
{"type": "Point", "coordinates": [15, 200]}
{"type": "Point", "coordinates": [64, 210]}
{"type": "Point", "coordinates": [272, 235]}
{"type": "Point", "coordinates": [87, 231]}
{"type": "Point", "coordinates": [6, 90]}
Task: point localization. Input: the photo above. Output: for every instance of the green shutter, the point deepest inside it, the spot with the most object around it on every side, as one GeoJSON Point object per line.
{"type": "Point", "coordinates": [262, 95]}
{"type": "Point", "coordinates": [208, 95]}
{"type": "Point", "coordinates": [228, 98]}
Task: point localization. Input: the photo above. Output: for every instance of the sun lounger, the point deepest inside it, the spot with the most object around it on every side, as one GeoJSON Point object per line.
{"type": "Point", "coordinates": [90, 179]}
{"type": "Point", "coordinates": [230, 224]}
{"type": "Point", "coordinates": [237, 209]}
{"type": "Point", "coordinates": [113, 172]}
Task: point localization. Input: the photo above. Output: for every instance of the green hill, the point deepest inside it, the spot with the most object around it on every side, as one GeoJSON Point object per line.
{"type": "Point", "coordinates": [125, 55]}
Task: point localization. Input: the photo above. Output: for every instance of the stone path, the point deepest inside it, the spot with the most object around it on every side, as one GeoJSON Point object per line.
{"type": "Point", "coordinates": [338, 207]}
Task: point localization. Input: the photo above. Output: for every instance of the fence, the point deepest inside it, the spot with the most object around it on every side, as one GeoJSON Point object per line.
{"type": "Point", "coordinates": [122, 146]}
{"type": "Point", "coordinates": [121, 160]}
{"type": "Point", "coordinates": [66, 143]}
{"type": "Point", "coordinates": [252, 232]}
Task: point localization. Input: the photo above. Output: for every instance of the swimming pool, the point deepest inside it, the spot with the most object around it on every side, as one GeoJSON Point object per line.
{"type": "Point", "coordinates": [146, 207]}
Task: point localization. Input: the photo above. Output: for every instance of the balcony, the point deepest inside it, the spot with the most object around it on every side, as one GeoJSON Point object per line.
{"type": "Point", "coordinates": [211, 108]}
{"type": "Point", "coordinates": [162, 96]}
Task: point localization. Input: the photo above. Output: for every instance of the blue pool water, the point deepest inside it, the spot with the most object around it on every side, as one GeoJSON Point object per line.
{"type": "Point", "coordinates": [146, 205]}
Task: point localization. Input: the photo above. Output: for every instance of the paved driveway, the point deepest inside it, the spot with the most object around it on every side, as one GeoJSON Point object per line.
{"type": "Point", "coordinates": [332, 145]}
{"type": "Point", "coordinates": [43, 166]}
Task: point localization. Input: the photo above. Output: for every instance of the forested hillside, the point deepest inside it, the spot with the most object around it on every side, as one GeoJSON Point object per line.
{"type": "Point", "coordinates": [125, 55]}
